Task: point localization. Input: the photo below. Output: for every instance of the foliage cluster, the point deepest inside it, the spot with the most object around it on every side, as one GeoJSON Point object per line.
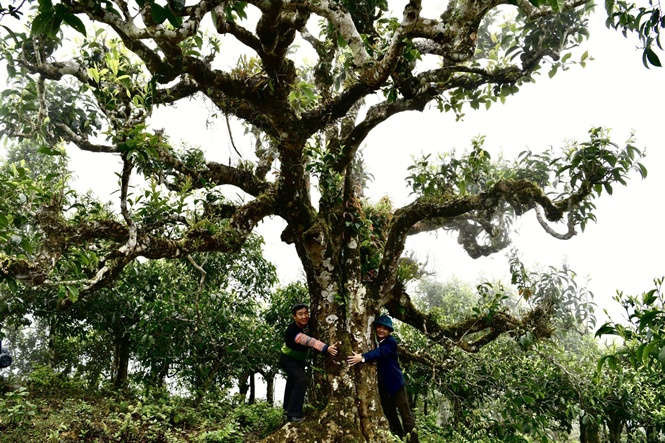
{"type": "Point", "coordinates": [67, 411]}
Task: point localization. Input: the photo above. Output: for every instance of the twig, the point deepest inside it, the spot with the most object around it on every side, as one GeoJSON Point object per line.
{"type": "Point", "coordinates": [228, 126]}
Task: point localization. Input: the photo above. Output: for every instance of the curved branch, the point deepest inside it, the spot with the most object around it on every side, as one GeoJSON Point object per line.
{"type": "Point", "coordinates": [183, 89]}
{"type": "Point", "coordinates": [229, 236]}
{"type": "Point", "coordinates": [83, 142]}
{"type": "Point", "coordinates": [372, 75]}
{"type": "Point", "coordinates": [376, 115]}
{"type": "Point", "coordinates": [570, 224]}
{"type": "Point", "coordinates": [131, 244]}
{"type": "Point", "coordinates": [521, 195]}
{"type": "Point", "coordinates": [216, 173]}
{"type": "Point", "coordinates": [400, 306]}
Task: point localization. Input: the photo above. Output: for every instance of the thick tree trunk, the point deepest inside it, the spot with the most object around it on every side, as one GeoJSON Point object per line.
{"type": "Point", "coordinates": [93, 379]}
{"type": "Point", "coordinates": [342, 312]}
{"type": "Point", "coordinates": [342, 315]}
{"type": "Point", "coordinates": [353, 413]}
{"type": "Point", "coordinates": [121, 361]}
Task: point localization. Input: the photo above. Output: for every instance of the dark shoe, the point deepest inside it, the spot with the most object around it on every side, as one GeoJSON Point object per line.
{"type": "Point", "coordinates": [295, 419]}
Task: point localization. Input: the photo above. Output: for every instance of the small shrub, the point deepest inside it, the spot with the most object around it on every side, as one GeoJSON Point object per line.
{"type": "Point", "coordinates": [230, 433]}
{"type": "Point", "coordinates": [16, 409]}
{"type": "Point", "coordinates": [258, 418]}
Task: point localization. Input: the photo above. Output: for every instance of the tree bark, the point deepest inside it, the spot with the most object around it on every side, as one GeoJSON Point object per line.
{"type": "Point", "coordinates": [615, 427]}
{"type": "Point", "coordinates": [243, 386]}
{"type": "Point", "coordinates": [52, 354]}
{"type": "Point", "coordinates": [252, 388]}
{"type": "Point", "coordinates": [589, 431]}
{"type": "Point", "coordinates": [270, 388]}
{"type": "Point", "coordinates": [121, 361]}
{"type": "Point", "coordinates": [652, 434]}
{"type": "Point", "coordinates": [341, 314]}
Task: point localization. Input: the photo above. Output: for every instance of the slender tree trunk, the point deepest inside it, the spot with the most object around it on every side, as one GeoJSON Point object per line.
{"type": "Point", "coordinates": [589, 431]}
{"type": "Point", "coordinates": [161, 373]}
{"type": "Point", "coordinates": [457, 411]}
{"type": "Point", "coordinates": [252, 388]}
{"type": "Point", "coordinates": [121, 361]}
{"type": "Point", "coordinates": [243, 386]}
{"type": "Point", "coordinates": [52, 354]}
{"type": "Point", "coordinates": [93, 379]}
{"type": "Point", "coordinates": [652, 434]}
{"type": "Point", "coordinates": [270, 387]}
{"type": "Point", "coordinates": [615, 427]}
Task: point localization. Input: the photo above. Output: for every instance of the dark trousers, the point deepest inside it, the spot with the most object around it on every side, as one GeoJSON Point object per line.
{"type": "Point", "coordinates": [296, 383]}
{"type": "Point", "coordinates": [391, 404]}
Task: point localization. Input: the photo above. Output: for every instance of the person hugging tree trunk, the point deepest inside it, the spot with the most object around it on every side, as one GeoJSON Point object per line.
{"type": "Point", "coordinates": [392, 388]}
{"type": "Point", "coordinates": [293, 359]}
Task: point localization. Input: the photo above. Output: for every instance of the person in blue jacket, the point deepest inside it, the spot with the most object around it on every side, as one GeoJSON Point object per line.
{"type": "Point", "coordinates": [392, 388]}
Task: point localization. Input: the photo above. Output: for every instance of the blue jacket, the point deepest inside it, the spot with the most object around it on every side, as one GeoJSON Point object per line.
{"type": "Point", "coordinates": [387, 366]}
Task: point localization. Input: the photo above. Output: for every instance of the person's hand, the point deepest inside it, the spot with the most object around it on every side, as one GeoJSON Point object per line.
{"type": "Point", "coordinates": [332, 350]}
{"type": "Point", "coordinates": [354, 359]}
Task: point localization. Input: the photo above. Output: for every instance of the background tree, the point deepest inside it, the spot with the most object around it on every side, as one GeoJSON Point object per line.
{"type": "Point", "coordinates": [309, 122]}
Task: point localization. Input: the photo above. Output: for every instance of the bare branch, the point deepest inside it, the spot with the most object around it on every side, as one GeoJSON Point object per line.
{"type": "Point", "coordinates": [570, 224]}
{"type": "Point", "coordinates": [186, 87]}
{"type": "Point", "coordinates": [203, 272]}
{"type": "Point", "coordinates": [216, 173]}
{"type": "Point", "coordinates": [376, 115]}
{"type": "Point", "coordinates": [131, 244]}
{"type": "Point", "coordinates": [228, 127]}
{"type": "Point", "coordinates": [83, 142]}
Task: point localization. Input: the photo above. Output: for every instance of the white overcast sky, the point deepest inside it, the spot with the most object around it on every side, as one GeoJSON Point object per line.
{"type": "Point", "coordinates": [624, 250]}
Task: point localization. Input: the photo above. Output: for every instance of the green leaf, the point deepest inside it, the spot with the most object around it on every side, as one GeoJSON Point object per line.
{"type": "Point", "coordinates": [609, 6]}
{"type": "Point", "coordinates": [49, 151]}
{"type": "Point", "coordinates": [174, 19]}
{"type": "Point", "coordinates": [651, 57]}
{"type": "Point", "coordinates": [73, 293]}
{"type": "Point", "coordinates": [649, 297]}
{"type": "Point", "coordinates": [159, 13]}
{"type": "Point", "coordinates": [647, 351]}
{"type": "Point", "coordinates": [606, 329]}
{"type": "Point", "coordinates": [661, 354]}
{"type": "Point", "coordinates": [74, 22]}
{"type": "Point", "coordinates": [41, 23]}
{"type": "Point", "coordinates": [647, 318]}
{"type": "Point", "coordinates": [45, 5]}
